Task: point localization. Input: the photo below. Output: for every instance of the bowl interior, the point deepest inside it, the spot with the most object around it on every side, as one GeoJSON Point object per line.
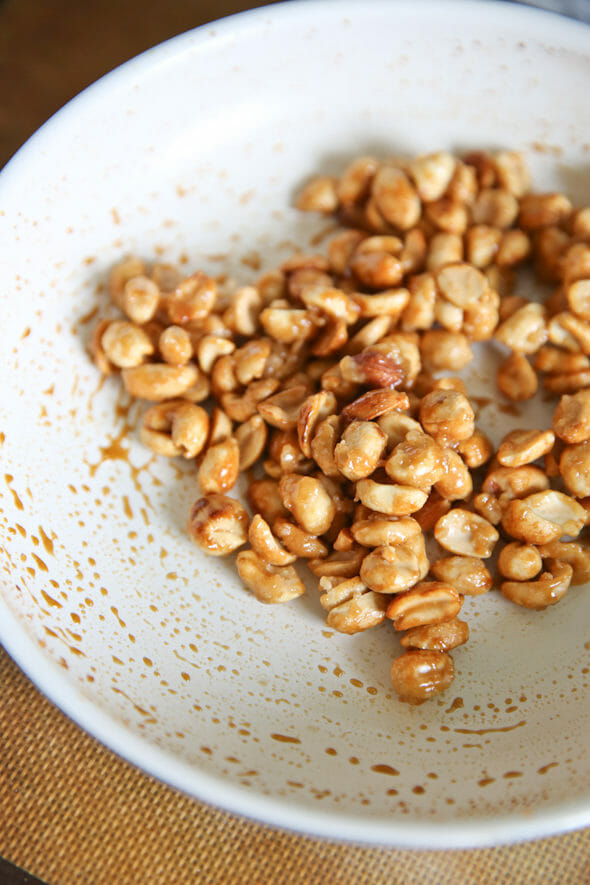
{"type": "Point", "coordinates": [192, 153]}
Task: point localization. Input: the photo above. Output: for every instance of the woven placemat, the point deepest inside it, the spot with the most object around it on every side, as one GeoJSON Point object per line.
{"type": "Point", "coordinates": [71, 811]}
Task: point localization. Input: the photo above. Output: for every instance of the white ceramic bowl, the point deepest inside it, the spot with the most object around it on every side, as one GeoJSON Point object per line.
{"type": "Point", "coordinates": [193, 151]}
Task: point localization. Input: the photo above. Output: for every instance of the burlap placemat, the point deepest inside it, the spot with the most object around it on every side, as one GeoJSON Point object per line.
{"type": "Point", "coordinates": [71, 811]}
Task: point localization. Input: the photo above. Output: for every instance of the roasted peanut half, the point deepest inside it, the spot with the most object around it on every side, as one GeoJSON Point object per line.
{"type": "Point", "coordinates": [360, 449]}
{"type": "Point", "coordinates": [571, 421]}
{"type": "Point", "coordinates": [574, 466]}
{"type": "Point", "coordinates": [218, 524]}
{"type": "Point", "coordinates": [546, 590]}
{"type": "Point", "coordinates": [125, 345]}
{"type": "Point", "coordinates": [543, 517]}
{"type": "Point", "coordinates": [308, 501]}
{"type": "Point", "coordinates": [467, 574]}
{"type": "Point", "coordinates": [519, 562]}
{"type": "Point", "coordinates": [418, 674]}
{"type": "Point", "coordinates": [575, 554]}
{"type": "Point", "coordinates": [429, 602]}
{"type": "Point", "coordinates": [416, 461]}
{"type": "Point", "coordinates": [390, 569]}
{"type": "Point", "coordinates": [447, 416]}
{"type": "Point", "coordinates": [269, 583]}
{"type": "Point", "coordinates": [437, 637]}
{"type": "Point", "coordinates": [159, 381]}
{"type": "Point", "coordinates": [466, 534]}
{"type": "Point", "coordinates": [520, 447]}
{"type": "Point", "coordinates": [264, 543]}
{"type": "Point", "coordinates": [378, 531]}
{"type": "Point", "coordinates": [393, 500]}
{"type": "Point", "coordinates": [516, 378]}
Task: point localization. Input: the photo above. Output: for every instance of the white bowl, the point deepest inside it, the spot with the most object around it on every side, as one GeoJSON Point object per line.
{"type": "Point", "coordinates": [193, 151]}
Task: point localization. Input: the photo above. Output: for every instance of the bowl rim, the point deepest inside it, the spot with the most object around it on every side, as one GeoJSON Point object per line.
{"type": "Point", "coordinates": [48, 677]}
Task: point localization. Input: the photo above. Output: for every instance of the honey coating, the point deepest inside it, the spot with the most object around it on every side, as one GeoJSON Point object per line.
{"type": "Point", "coordinates": [318, 386]}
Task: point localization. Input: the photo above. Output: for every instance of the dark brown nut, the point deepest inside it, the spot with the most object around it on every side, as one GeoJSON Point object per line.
{"type": "Point", "coordinates": [390, 569]}
{"type": "Point", "coordinates": [391, 499]}
{"type": "Point", "coordinates": [546, 590]}
{"type": "Point", "coordinates": [429, 602]}
{"type": "Point", "coordinates": [447, 416]}
{"type": "Point", "coordinates": [265, 545]}
{"type": "Point", "coordinates": [156, 382]}
{"type": "Point", "coordinates": [467, 574]}
{"type": "Point", "coordinates": [520, 447]}
{"type": "Point", "coordinates": [461, 284]}
{"type": "Point", "coordinates": [360, 449]}
{"type": "Point", "coordinates": [437, 637]}
{"type": "Point", "coordinates": [575, 554]}
{"type": "Point", "coordinates": [263, 497]}
{"type": "Point", "coordinates": [218, 524]}
{"type": "Point", "coordinates": [466, 534]}
{"type": "Point", "coordinates": [298, 541]}
{"type": "Point", "coordinates": [516, 378]}
{"type": "Point", "coordinates": [395, 197]}
{"type": "Point", "coordinates": [220, 468]}
{"type": "Point", "coordinates": [543, 517]}
{"type": "Point", "coordinates": [476, 451]}
{"type": "Point", "coordinates": [375, 403]}
{"type": "Point", "coordinates": [574, 466]}
{"type": "Point", "coordinates": [378, 531]}
{"type": "Point", "coordinates": [269, 583]}
{"type": "Point", "coordinates": [372, 368]}
{"type": "Point", "coordinates": [309, 502]}
{"type": "Point", "coordinates": [571, 421]}
{"type": "Point", "coordinates": [193, 299]}
{"type": "Point", "coordinates": [419, 674]}
{"type": "Point", "coordinates": [318, 195]}
{"type": "Point", "coordinates": [496, 207]}
{"type": "Point", "coordinates": [442, 350]}
{"type": "Point", "coordinates": [541, 210]}
{"type": "Point", "coordinates": [519, 562]}
{"type": "Point", "coordinates": [434, 507]}
{"type": "Point", "coordinates": [416, 461]}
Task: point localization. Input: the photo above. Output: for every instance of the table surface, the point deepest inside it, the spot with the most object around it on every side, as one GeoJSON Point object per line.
{"type": "Point", "coordinates": [70, 810]}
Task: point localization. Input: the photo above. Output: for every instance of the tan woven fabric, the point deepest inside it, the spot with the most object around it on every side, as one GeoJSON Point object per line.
{"type": "Point", "coordinates": [71, 811]}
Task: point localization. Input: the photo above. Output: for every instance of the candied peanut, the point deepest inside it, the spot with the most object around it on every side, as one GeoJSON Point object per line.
{"type": "Point", "coordinates": [251, 439]}
{"type": "Point", "coordinates": [519, 562]}
{"type": "Point", "coordinates": [543, 517]}
{"type": "Point", "coordinates": [341, 564]}
{"type": "Point", "coordinates": [312, 413]}
{"type": "Point", "coordinates": [220, 426]}
{"type": "Point", "coordinates": [139, 299]}
{"type": "Point", "coordinates": [516, 378]}
{"type": "Point", "coordinates": [502, 484]}
{"type": "Point", "coordinates": [437, 637]}
{"type": "Point", "coordinates": [578, 297]}
{"type": "Point", "coordinates": [394, 500]}
{"type": "Point", "coordinates": [572, 552]}
{"type": "Point", "coordinates": [466, 534]}
{"type": "Point", "coordinates": [515, 247]}
{"type": "Point", "coordinates": [467, 574]}
{"type": "Point", "coordinates": [463, 184]}
{"type": "Point", "coordinates": [298, 541]}
{"type": "Point", "coordinates": [546, 590]}
{"type": "Point", "coordinates": [496, 207]}
{"type": "Point", "coordinates": [287, 324]}
{"type": "Point", "coordinates": [455, 483]}
{"type": "Point", "coordinates": [418, 674]}
{"type": "Point", "coordinates": [541, 210]}
{"type": "Point", "coordinates": [121, 273]}
{"type": "Point", "coordinates": [241, 316]}
{"type": "Point", "coordinates": [574, 466]}
{"type": "Point", "coordinates": [175, 346]}
{"type": "Point", "coordinates": [432, 174]}
{"type": "Point", "coordinates": [447, 215]}
{"type": "Point", "coordinates": [441, 349]}
{"type": "Point", "coordinates": [324, 443]}
{"type": "Point", "coordinates": [159, 381]}
{"type": "Point", "coordinates": [461, 284]}
{"type": "Point", "coordinates": [390, 303]}
{"type": "Point", "coordinates": [269, 583]}
{"type": "Point", "coordinates": [429, 602]}
{"type": "Point", "coordinates": [567, 382]}
{"type": "Point", "coordinates": [390, 569]}
{"type": "Point", "coordinates": [419, 311]}
{"type": "Point", "coordinates": [166, 276]}
{"type": "Point", "coordinates": [416, 461]}
{"type": "Point", "coordinates": [318, 195]}
{"type": "Point", "coordinates": [193, 299]}
{"type": "Point", "coordinates": [571, 420]}
{"type": "Point", "coordinates": [376, 270]}
{"type": "Point", "coordinates": [520, 447]}
{"type": "Point", "coordinates": [282, 409]}
{"type": "Point", "coordinates": [525, 331]}
{"type": "Point", "coordinates": [413, 254]}
{"type": "Point", "coordinates": [175, 428]}
{"type": "Point", "coordinates": [125, 345]}
{"type": "Point", "coordinates": [569, 331]}
{"type": "Point", "coordinates": [396, 425]}
{"type": "Point", "coordinates": [309, 502]}
{"type": "Point", "coordinates": [265, 545]}
{"type": "Point", "coordinates": [481, 244]}
{"type": "Point", "coordinates": [286, 455]}
{"type": "Point", "coordinates": [263, 497]}
{"type": "Point", "coordinates": [218, 524]}
{"type": "Point", "coordinates": [512, 172]}
{"type": "Point", "coordinates": [352, 607]}
{"type": "Point", "coordinates": [444, 248]}
{"type": "Point", "coordinates": [360, 449]}
{"type": "Point", "coordinates": [355, 182]}
{"type": "Point", "coordinates": [219, 469]}
{"type": "Point", "coordinates": [510, 304]}
{"type": "Point", "coordinates": [481, 320]}
{"type": "Point", "coordinates": [447, 416]}
{"type": "Point", "coordinates": [241, 406]}
{"type": "Point", "coordinates": [375, 403]}
{"type": "Point", "coordinates": [332, 302]}
{"type": "Point", "coordinates": [395, 197]}
{"type": "Point", "coordinates": [448, 315]}
{"type": "Point", "coordinates": [377, 531]}
{"type": "Point", "coordinates": [476, 451]}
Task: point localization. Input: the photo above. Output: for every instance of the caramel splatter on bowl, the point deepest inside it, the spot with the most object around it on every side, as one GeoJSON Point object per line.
{"type": "Point", "coordinates": [192, 153]}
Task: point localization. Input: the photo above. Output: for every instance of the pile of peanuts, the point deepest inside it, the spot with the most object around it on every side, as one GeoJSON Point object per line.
{"type": "Point", "coordinates": [321, 385]}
